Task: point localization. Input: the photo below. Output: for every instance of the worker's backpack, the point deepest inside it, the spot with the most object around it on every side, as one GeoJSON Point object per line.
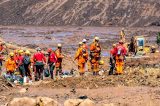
{"type": "Point", "coordinates": [27, 60]}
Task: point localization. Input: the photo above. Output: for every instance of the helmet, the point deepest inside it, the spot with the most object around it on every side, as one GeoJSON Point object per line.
{"type": "Point", "coordinates": [96, 38]}
{"type": "Point", "coordinates": [101, 62]}
{"type": "Point", "coordinates": [84, 41]}
{"type": "Point", "coordinates": [114, 45]}
{"type": "Point", "coordinates": [11, 54]}
{"type": "Point", "coordinates": [20, 51]}
{"type": "Point", "coordinates": [27, 52]}
{"type": "Point", "coordinates": [15, 51]}
{"type": "Point", "coordinates": [121, 41]}
{"type": "Point", "coordinates": [49, 50]}
{"type": "Point", "coordinates": [59, 45]}
{"type": "Point", "coordinates": [80, 43]}
{"type": "Point", "coordinates": [39, 49]}
{"type": "Point", "coordinates": [153, 47]}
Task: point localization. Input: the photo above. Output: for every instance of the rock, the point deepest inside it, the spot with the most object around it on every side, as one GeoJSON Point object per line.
{"type": "Point", "coordinates": [111, 104]}
{"type": "Point", "coordinates": [87, 102]}
{"type": "Point", "coordinates": [25, 101]}
{"type": "Point", "coordinates": [45, 101]}
{"type": "Point", "coordinates": [79, 102]}
{"type": "Point", "coordinates": [22, 91]}
{"type": "Point", "coordinates": [73, 102]}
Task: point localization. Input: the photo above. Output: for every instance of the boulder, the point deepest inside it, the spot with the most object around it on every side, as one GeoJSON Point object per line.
{"type": "Point", "coordinates": [87, 102]}
{"type": "Point", "coordinates": [79, 102]}
{"type": "Point", "coordinates": [45, 101]}
{"type": "Point", "coordinates": [73, 102]}
{"type": "Point", "coordinates": [25, 101]}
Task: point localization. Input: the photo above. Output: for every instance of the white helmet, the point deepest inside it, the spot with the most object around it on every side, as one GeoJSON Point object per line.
{"type": "Point", "coordinates": [84, 40]}
{"type": "Point", "coordinates": [96, 38]}
{"type": "Point", "coordinates": [59, 45]}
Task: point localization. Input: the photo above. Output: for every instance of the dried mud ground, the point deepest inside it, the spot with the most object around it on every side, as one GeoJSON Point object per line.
{"type": "Point", "coordinates": [139, 86]}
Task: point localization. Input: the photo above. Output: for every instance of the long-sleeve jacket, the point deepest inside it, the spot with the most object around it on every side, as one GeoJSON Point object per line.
{"type": "Point", "coordinates": [10, 65]}
{"type": "Point", "coordinates": [81, 55]}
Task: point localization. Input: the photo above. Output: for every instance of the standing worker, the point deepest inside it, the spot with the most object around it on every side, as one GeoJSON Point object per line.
{"type": "Point", "coordinates": [27, 64]}
{"type": "Point", "coordinates": [82, 57]}
{"type": "Point", "coordinates": [51, 61]}
{"type": "Point", "coordinates": [120, 57]}
{"type": "Point", "coordinates": [122, 35]}
{"type": "Point", "coordinates": [10, 65]}
{"type": "Point", "coordinates": [95, 55]}
{"type": "Point", "coordinates": [40, 61]}
{"type": "Point", "coordinates": [59, 60]}
{"type": "Point", "coordinates": [84, 41]}
{"type": "Point", "coordinates": [20, 63]}
{"type": "Point", "coordinates": [112, 59]}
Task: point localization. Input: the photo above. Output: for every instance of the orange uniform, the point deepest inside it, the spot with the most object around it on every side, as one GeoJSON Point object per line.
{"type": "Point", "coordinates": [120, 53]}
{"type": "Point", "coordinates": [95, 51]}
{"type": "Point", "coordinates": [10, 65]}
{"type": "Point", "coordinates": [82, 57]}
{"type": "Point", "coordinates": [59, 61]}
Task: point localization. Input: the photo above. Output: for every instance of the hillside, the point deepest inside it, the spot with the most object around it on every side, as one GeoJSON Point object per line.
{"type": "Point", "coordinates": [80, 12]}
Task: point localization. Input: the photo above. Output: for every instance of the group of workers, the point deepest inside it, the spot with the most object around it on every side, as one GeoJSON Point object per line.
{"type": "Point", "coordinates": [22, 60]}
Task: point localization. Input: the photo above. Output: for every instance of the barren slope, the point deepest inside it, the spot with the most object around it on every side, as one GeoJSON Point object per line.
{"type": "Point", "coordinates": [80, 12]}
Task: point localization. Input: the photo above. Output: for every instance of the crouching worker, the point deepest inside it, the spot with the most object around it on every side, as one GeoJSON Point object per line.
{"type": "Point", "coordinates": [120, 56]}
{"type": "Point", "coordinates": [40, 61]}
{"type": "Point", "coordinates": [10, 65]}
{"type": "Point", "coordinates": [112, 59]}
{"type": "Point", "coordinates": [27, 63]}
{"type": "Point", "coordinates": [82, 57]}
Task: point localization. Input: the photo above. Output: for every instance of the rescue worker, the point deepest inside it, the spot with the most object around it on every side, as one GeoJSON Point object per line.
{"type": "Point", "coordinates": [95, 55]}
{"type": "Point", "coordinates": [132, 46]}
{"type": "Point", "coordinates": [16, 57]}
{"type": "Point", "coordinates": [3, 48]}
{"type": "Point", "coordinates": [112, 59]}
{"type": "Point", "coordinates": [2, 51]}
{"type": "Point", "coordinates": [27, 63]}
{"type": "Point", "coordinates": [52, 59]}
{"type": "Point", "coordinates": [59, 60]}
{"type": "Point", "coordinates": [21, 64]}
{"type": "Point", "coordinates": [40, 61]}
{"type": "Point", "coordinates": [1, 60]}
{"type": "Point", "coordinates": [120, 57]}
{"type": "Point", "coordinates": [82, 57]}
{"type": "Point", "coordinates": [84, 41]}
{"type": "Point", "coordinates": [122, 35]}
{"type": "Point", "coordinates": [10, 65]}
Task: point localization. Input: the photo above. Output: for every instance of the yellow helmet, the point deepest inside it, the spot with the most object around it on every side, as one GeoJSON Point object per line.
{"type": "Point", "coordinates": [11, 54]}
{"type": "Point", "coordinates": [20, 51]}
{"type": "Point", "coordinates": [27, 52]}
{"type": "Point", "coordinates": [80, 43]}
{"type": "Point", "coordinates": [101, 62]}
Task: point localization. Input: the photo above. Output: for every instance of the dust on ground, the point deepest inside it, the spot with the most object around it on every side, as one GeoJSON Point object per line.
{"type": "Point", "coordinates": [140, 84]}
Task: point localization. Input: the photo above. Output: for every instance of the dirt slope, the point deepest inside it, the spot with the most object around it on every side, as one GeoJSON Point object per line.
{"type": "Point", "coordinates": [80, 12]}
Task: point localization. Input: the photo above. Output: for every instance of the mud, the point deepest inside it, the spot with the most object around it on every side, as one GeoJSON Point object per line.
{"type": "Point", "coordinates": [139, 85]}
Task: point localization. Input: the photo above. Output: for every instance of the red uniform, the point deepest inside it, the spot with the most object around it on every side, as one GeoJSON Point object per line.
{"type": "Point", "coordinates": [120, 53]}
{"type": "Point", "coordinates": [39, 57]}
{"type": "Point", "coordinates": [20, 60]}
{"type": "Point", "coordinates": [52, 58]}
{"type": "Point", "coordinates": [121, 48]}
